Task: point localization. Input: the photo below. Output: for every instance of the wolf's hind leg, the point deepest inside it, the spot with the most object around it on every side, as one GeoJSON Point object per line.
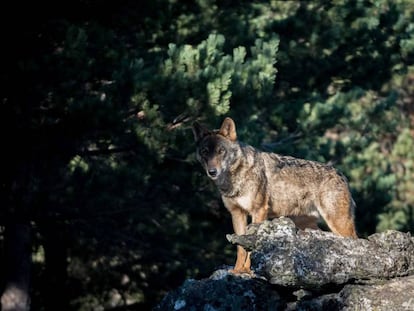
{"type": "Point", "coordinates": [337, 211]}
{"type": "Point", "coordinates": [342, 226]}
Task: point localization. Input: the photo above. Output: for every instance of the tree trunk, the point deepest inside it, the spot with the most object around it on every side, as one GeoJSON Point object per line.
{"type": "Point", "coordinates": [55, 266]}
{"type": "Point", "coordinates": [16, 295]}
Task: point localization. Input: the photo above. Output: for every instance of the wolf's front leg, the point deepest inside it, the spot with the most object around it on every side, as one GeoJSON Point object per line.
{"type": "Point", "coordinates": [260, 214]}
{"type": "Point", "coordinates": [239, 219]}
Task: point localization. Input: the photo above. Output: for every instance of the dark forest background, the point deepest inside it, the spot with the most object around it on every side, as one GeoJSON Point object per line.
{"type": "Point", "coordinates": [102, 203]}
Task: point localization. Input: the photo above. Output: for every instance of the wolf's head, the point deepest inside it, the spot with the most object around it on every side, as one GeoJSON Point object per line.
{"type": "Point", "coordinates": [216, 149]}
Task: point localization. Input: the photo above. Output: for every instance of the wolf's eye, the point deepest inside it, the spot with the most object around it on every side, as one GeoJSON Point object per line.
{"type": "Point", "coordinates": [204, 152]}
{"type": "Point", "coordinates": [221, 150]}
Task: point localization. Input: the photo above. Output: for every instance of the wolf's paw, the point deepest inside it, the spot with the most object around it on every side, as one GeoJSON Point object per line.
{"type": "Point", "coordinates": [242, 271]}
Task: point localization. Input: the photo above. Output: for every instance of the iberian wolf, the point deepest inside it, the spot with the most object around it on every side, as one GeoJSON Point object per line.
{"type": "Point", "coordinates": [262, 185]}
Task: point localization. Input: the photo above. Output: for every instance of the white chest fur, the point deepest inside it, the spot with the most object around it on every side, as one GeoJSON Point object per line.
{"type": "Point", "coordinates": [245, 202]}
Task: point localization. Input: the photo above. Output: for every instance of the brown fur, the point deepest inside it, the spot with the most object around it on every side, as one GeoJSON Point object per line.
{"type": "Point", "coordinates": [261, 185]}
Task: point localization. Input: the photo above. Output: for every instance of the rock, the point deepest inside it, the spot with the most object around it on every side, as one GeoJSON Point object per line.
{"type": "Point", "coordinates": [223, 291]}
{"type": "Point", "coordinates": [308, 270]}
{"type": "Point", "coordinates": [312, 259]}
{"type": "Point", "coordinates": [250, 294]}
{"type": "Point", "coordinates": [394, 295]}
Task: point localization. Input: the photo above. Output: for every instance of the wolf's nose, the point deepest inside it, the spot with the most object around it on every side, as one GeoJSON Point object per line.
{"type": "Point", "coordinates": [212, 172]}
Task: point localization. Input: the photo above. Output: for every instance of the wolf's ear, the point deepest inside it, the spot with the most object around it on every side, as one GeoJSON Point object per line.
{"type": "Point", "coordinates": [199, 131]}
{"type": "Point", "coordinates": [228, 129]}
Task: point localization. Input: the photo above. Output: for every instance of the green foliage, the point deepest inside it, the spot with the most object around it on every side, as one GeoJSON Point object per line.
{"type": "Point", "coordinates": [203, 79]}
{"type": "Point", "coordinates": [103, 112]}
